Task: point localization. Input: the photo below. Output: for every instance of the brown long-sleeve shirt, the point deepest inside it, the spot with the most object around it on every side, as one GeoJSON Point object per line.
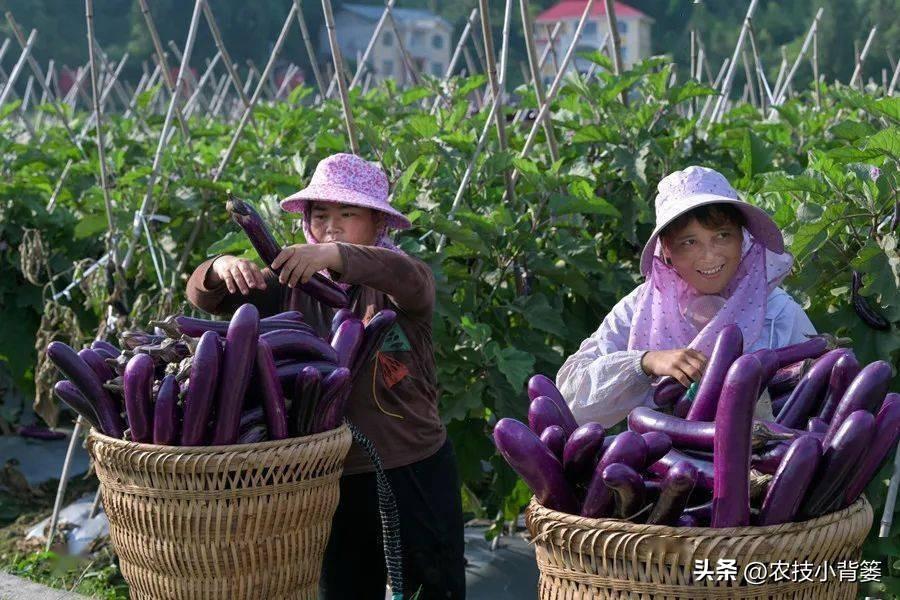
{"type": "Point", "coordinates": [394, 399]}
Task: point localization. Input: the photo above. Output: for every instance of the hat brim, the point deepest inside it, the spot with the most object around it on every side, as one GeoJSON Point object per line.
{"type": "Point", "coordinates": [759, 224]}
{"type": "Point", "coordinates": [299, 201]}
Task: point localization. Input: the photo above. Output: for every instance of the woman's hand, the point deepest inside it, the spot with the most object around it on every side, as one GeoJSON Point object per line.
{"type": "Point", "coordinates": [684, 364]}
{"type": "Point", "coordinates": [238, 274]}
{"type": "Point", "coordinates": [298, 263]}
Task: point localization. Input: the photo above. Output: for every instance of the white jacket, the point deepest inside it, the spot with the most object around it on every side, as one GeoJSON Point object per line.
{"type": "Point", "coordinates": [604, 380]}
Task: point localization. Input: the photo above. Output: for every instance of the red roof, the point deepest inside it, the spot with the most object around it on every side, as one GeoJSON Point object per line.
{"type": "Point", "coordinates": [572, 9]}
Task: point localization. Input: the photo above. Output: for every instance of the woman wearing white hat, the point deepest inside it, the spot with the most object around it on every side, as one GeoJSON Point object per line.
{"type": "Point", "coordinates": [712, 260]}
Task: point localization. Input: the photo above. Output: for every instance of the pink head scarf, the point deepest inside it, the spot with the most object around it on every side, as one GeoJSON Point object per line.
{"type": "Point", "coordinates": [672, 314]}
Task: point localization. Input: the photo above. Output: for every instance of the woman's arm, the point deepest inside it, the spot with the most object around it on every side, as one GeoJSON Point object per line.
{"type": "Point", "coordinates": [604, 380]}
{"type": "Point", "coordinates": [208, 291]}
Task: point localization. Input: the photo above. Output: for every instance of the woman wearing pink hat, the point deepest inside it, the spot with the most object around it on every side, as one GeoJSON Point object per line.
{"type": "Point", "coordinates": [713, 259]}
{"type": "Point", "coordinates": [394, 402]}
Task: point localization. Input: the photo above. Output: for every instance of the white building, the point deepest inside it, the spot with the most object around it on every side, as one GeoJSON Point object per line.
{"type": "Point", "coordinates": [633, 25]}
{"type": "Point", "coordinates": [425, 36]}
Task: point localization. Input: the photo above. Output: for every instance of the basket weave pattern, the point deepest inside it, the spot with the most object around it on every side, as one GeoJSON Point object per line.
{"type": "Point", "coordinates": [614, 559]}
{"type": "Point", "coordinates": [238, 522]}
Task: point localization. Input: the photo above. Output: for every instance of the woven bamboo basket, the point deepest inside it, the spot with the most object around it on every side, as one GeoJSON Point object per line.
{"type": "Point", "coordinates": [581, 558]}
{"type": "Point", "coordinates": [212, 522]}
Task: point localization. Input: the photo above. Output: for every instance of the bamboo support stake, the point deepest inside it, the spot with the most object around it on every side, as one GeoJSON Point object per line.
{"type": "Point", "coordinates": [520, 114]}
{"type": "Point", "coordinates": [310, 50]}
{"type": "Point", "coordinates": [553, 55]}
{"type": "Point", "coordinates": [63, 482]}
{"type": "Point", "coordinates": [750, 80]}
{"type": "Point", "coordinates": [104, 96]}
{"type": "Point", "coordinates": [288, 76]}
{"type": "Point", "coordinates": [379, 26]}
{"type": "Point", "coordinates": [404, 54]}
{"type": "Point", "coordinates": [694, 67]}
{"type": "Point", "coordinates": [765, 97]}
{"type": "Point", "coordinates": [893, 85]}
{"type": "Point", "coordinates": [367, 83]}
{"type": "Point", "coordinates": [245, 116]}
{"type": "Point", "coordinates": [715, 86]}
{"type": "Point", "coordinates": [528, 28]}
{"type": "Point", "coordinates": [780, 94]}
{"type": "Point", "coordinates": [718, 111]}
{"type": "Point", "coordinates": [226, 57]}
{"type": "Point", "coordinates": [857, 70]}
{"type": "Point", "coordinates": [59, 184]}
{"type": "Point", "coordinates": [18, 67]}
{"type": "Point", "coordinates": [887, 517]}
{"type": "Point", "coordinates": [616, 43]}
{"type": "Point", "coordinates": [45, 97]}
{"type": "Point", "coordinates": [146, 203]}
{"type": "Point", "coordinates": [26, 98]}
{"type": "Point", "coordinates": [499, 117]}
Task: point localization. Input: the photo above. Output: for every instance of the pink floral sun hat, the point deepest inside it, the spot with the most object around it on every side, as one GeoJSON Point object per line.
{"type": "Point", "coordinates": [347, 179]}
{"type": "Point", "coordinates": [685, 190]}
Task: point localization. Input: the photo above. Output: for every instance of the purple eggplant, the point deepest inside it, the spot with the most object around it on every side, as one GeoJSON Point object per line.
{"type": "Point", "coordinates": [300, 345]}
{"type": "Point", "coordinates": [555, 439]}
{"type": "Point", "coordinates": [840, 461]}
{"type": "Point", "coordinates": [251, 417]}
{"type": "Point", "coordinates": [165, 413]}
{"type": "Point", "coordinates": [728, 347]}
{"type": "Point", "coordinates": [842, 375]}
{"type": "Point", "coordinates": [237, 365]}
{"type": "Point", "coordinates": [346, 341]}
{"type": "Point", "coordinates": [786, 378]}
{"type": "Point", "coordinates": [792, 479]}
{"type": "Point", "coordinates": [705, 478]}
{"type": "Point", "coordinates": [887, 431]}
{"type": "Point", "coordinates": [374, 335]}
{"type": "Point", "coordinates": [808, 394]}
{"type": "Point", "coordinates": [667, 391]}
{"type": "Point", "coordinates": [687, 521]}
{"type": "Point", "coordinates": [288, 315]}
{"type": "Point", "coordinates": [339, 317]}
{"type": "Point", "coordinates": [97, 363]}
{"type": "Point", "coordinates": [139, 397]}
{"type": "Point", "coordinates": [319, 287]}
{"type": "Point", "coordinates": [627, 488]}
{"type": "Point", "coordinates": [542, 413]}
{"type": "Point", "coordinates": [682, 407]}
{"type": "Point", "coordinates": [69, 393]}
{"type": "Point", "coordinates": [541, 385]}
{"type": "Point", "coordinates": [90, 386]}
{"type": "Point", "coordinates": [702, 513]}
{"type": "Point", "coordinates": [817, 425]}
{"type": "Point", "coordinates": [814, 347]}
{"type": "Point", "coordinates": [306, 393]}
{"type": "Point", "coordinates": [198, 399]}
{"type": "Point", "coordinates": [676, 489]}
{"type": "Point", "coordinates": [732, 447]}
{"type": "Point", "coordinates": [333, 403]}
{"type": "Point", "coordinates": [272, 395]}
{"type": "Point", "coordinates": [866, 392]}
{"type": "Point", "coordinates": [696, 435]}
{"type": "Point", "coordinates": [658, 445]}
{"type": "Point", "coordinates": [105, 346]}
{"type": "Point", "coordinates": [535, 464]}
{"type": "Point", "coordinates": [769, 361]}
{"type": "Point", "coordinates": [630, 449]}
{"type": "Point", "coordinates": [288, 371]}
{"type": "Point", "coordinates": [582, 450]}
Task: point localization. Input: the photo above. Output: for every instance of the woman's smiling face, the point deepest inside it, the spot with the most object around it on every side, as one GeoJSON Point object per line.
{"type": "Point", "coordinates": [705, 257]}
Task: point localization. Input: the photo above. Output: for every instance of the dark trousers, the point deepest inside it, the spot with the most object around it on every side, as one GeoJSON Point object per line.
{"type": "Point", "coordinates": [431, 534]}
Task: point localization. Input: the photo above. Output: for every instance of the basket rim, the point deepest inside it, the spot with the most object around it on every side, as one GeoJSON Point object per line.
{"type": "Point", "coordinates": [224, 448]}
{"type": "Point", "coordinates": [861, 504]}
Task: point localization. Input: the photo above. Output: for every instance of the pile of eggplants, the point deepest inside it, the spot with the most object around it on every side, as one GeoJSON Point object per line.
{"type": "Point", "coordinates": [716, 465]}
{"type": "Point", "coordinates": [208, 382]}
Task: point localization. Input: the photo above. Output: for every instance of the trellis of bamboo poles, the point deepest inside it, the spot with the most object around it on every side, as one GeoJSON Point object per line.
{"type": "Point", "coordinates": [780, 93]}
{"type": "Point", "coordinates": [729, 75]}
{"type": "Point", "coordinates": [765, 94]}
{"type": "Point", "coordinates": [716, 83]}
{"type": "Point", "coordinates": [193, 101]}
{"type": "Point", "coordinates": [379, 26]}
{"type": "Point", "coordinates": [857, 69]}
{"type": "Point", "coordinates": [310, 51]}
{"type": "Point", "coordinates": [534, 67]}
{"type": "Point", "coordinates": [520, 114]}
{"type": "Point", "coordinates": [748, 75]}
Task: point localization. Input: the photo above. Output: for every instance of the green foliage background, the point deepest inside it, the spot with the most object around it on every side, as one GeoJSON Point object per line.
{"type": "Point", "coordinates": [522, 280]}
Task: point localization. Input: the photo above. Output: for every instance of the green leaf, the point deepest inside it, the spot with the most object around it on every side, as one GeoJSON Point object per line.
{"type": "Point", "coordinates": [540, 314]}
{"type": "Point", "coordinates": [90, 225]}
{"type": "Point", "coordinates": [851, 130]}
{"type": "Point", "coordinates": [887, 140]}
{"type": "Point", "coordinates": [779, 182]}
{"type": "Point", "coordinates": [687, 90]}
{"type": "Point", "coordinates": [515, 365]}
{"type": "Point", "coordinates": [424, 125]}
{"type": "Point", "coordinates": [757, 155]}
{"type": "Point", "coordinates": [234, 242]}
{"type": "Point", "coordinates": [414, 94]}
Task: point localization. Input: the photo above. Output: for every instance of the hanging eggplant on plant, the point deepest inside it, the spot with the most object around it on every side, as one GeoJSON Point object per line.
{"type": "Point", "coordinates": [865, 312]}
